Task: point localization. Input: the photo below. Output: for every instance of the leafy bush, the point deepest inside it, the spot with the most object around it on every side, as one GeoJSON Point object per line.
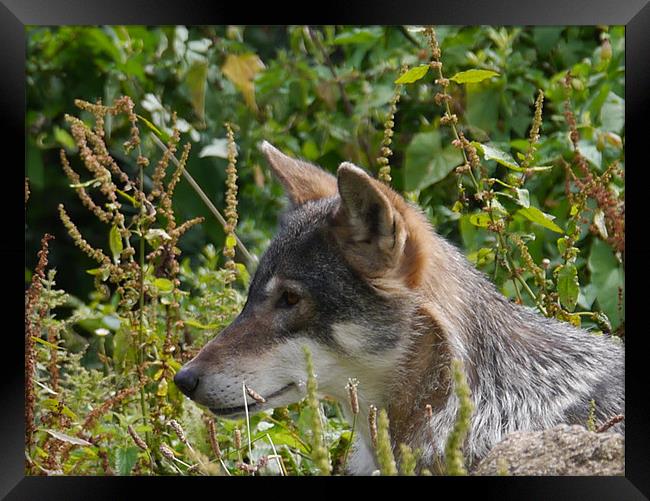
{"type": "Point", "coordinates": [510, 139]}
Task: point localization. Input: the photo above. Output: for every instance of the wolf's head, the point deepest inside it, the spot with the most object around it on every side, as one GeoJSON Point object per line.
{"type": "Point", "coordinates": [340, 278]}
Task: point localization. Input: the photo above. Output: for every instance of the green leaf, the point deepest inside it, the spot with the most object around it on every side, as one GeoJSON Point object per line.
{"type": "Point", "coordinates": [483, 256]}
{"type": "Point", "coordinates": [196, 80]}
{"type": "Point", "coordinates": [310, 150]}
{"type": "Point", "coordinates": [163, 284]}
{"type": "Point", "coordinates": [125, 459]}
{"type": "Point", "coordinates": [133, 201]}
{"type": "Point", "coordinates": [53, 404]}
{"type": "Point", "coordinates": [413, 75]}
{"type": "Point", "coordinates": [156, 236]}
{"type": "Point", "coordinates": [568, 287]}
{"type": "Point", "coordinates": [473, 76]}
{"type": "Point", "coordinates": [492, 153]}
{"type": "Point", "coordinates": [587, 296]}
{"type": "Point", "coordinates": [198, 325]}
{"type": "Point", "coordinates": [282, 437]}
{"type": "Point", "coordinates": [123, 351]}
{"type": "Point", "coordinates": [608, 276]}
{"type": "Point", "coordinates": [156, 130]}
{"type": "Point", "coordinates": [480, 219]}
{"type": "Point", "coordinates": [162, 388]}
{"type": "Point", "coordinates": [217, 148]}
{"type": "Point", "coordinates": [599, 223]}
{"type": "Point", "coordinates": [427, 162]}
{"type": "Point", "coordinates": [103, 271]}
{"type": "Point", "coordinates": [242, 274]}
{"type": "Point", "coordinates": [546, 38]}
{"type": "Point", "coordinates": [356, 36]}
{"type": "Point", "coordinates": [590, 152]}
{"type": "Point", "coordinates": [458, 206]}
{"type": "Point", "coordinates": [524, 197]}
{"type": "Point", "coordinates": [46, 343]}
{"type": "Point", "coordinates": [482, 110]}
{"type": "Point", "coordinates": [115, 243]}
{"type": "Point", "coordinates": [64, 138]}
{"type": "Point", "coordinates": [537, 216]}
{"type": "Point", "coordinates": [112, 321]}
{"type": "Point", "coordinates": [612, 113]}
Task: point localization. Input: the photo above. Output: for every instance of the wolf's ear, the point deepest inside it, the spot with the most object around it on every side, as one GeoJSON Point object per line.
{"type": "Point", "coordinates": [301, 181]}
{"type": "Point", "coordinates": [367, 225]}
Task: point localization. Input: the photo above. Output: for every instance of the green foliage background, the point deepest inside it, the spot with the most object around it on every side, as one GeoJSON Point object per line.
{"type": "Point", "coordinates": [299, 108]}
{"type": "Point", "coordinates": [323, 94]}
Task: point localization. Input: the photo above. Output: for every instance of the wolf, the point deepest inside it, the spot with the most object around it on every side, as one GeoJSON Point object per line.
{"type": "Point", "coordinates": [358, 276]}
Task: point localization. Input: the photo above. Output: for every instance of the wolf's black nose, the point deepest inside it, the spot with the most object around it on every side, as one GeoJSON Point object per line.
{"type": "Point", "coordinates": [186, 380]}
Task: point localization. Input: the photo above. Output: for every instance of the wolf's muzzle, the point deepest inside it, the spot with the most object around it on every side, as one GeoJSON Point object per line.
{"type": "Point", "coordinates": [187, 380]}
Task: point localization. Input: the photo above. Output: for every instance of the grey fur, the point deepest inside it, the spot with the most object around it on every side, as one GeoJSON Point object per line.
{"type": "Point", "coordinates": [526, 372]}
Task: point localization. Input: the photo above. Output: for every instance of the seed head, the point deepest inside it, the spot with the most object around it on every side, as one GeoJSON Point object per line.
{"type": "Point", "coordinates": [167, 452]}
{"type": "Point", "coordinates": [137, 439]}
{"type": "Point", "coordinates": [352, 394]}
{"type": "Point", "coordinates": [254, 395]}
{"type": "Point", "coordinates": [179, 431]}
{"type": "Point", "coordinates": [372, 423]}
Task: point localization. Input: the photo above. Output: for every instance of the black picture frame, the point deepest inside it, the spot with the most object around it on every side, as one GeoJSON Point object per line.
{"type": "Point", "coordinates": [16, 14]}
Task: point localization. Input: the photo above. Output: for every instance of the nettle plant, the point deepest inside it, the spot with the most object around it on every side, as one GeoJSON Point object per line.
{"type": "Point", "coordinates": [108, 406]}
{"type": "Point", "coordinates": [135, 316]}
{"type": "Point", "coordinates": [497, 208]}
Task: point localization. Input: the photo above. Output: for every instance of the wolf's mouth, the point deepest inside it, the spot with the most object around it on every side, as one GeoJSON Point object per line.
{"type": "Point", "coordinates": [233, 411]}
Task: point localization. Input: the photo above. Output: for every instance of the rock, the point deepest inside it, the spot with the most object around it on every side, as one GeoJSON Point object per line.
{"type": "Point", "coordinates": [562, 450]}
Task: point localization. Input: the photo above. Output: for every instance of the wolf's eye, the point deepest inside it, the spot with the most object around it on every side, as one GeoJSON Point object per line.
{"type": "Point", "coordinates": [288, 299]}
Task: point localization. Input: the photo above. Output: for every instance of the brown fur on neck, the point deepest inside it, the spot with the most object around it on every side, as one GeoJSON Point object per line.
{"type": "Point", "coordinates": [424, 378]}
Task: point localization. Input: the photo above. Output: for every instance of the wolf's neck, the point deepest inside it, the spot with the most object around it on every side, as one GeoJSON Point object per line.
{"type": "Point", "coordinates": [525, 371]}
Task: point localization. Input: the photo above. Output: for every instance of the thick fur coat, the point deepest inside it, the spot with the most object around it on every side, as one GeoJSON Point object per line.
{"type": "Point", "coordinates": [357, 274]}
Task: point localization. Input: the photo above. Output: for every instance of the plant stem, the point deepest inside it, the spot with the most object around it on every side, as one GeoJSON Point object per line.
{"type": "Point", "coordinates": [278, 458]}
{"type": "Point", "coordinates": [248, 425]}
{"type": "Point", "coordinates": [140, 350]}
{"type": "Point", "coordinates": [251, 259]}
{"type": "Point", "coordinates": [457, 136]}
{"type": "Point", "coordinates": [347, 450]}
{"type": "Point", "coordinates": [516, 277]}
{"type": "Point", "coordinates": [291, 432]}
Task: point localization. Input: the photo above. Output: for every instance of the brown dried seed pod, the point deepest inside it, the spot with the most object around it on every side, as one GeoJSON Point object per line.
{"type": "Point", "coordinates": [212, 435]}
{"type": "Point", "coordinates": [179, 431]}
{"type": "Point", "coordinates": [254, 395]}
{"type": "Point", "coordinates": [353, 395]}
{"type": "Point", "coordinates": [167, 452]}
{"type": "Point", "coordinates": [372, 423]}
{"type": "Point", "coordinates": [137, 438]}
